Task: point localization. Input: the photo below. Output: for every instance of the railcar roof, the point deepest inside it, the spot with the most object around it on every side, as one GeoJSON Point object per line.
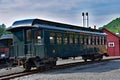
{"type": "Point", "coordinates": [67, 29]}
{"type": "Point", "coordinates": [31, 22]}
{"type": "Point", "coordinates": [6, 36]}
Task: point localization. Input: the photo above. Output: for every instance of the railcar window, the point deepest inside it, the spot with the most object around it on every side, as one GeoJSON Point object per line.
{"type": "Point", "coordinates": [89, 40]}
{"type": "Point", "coordinates": [76, 39]}
{"type": "Point", "coordinates": [92, 40]}
{"type": "Point", "coordinates": [71, 38]}
{"type": "Point", "coordinates": [95, 42]}
{"type": "Point", "coordinates": [105, 40]}
{"type": "Point", "coordinates": [52, 38]}
{"type": "Point", "coordinates": [59, 38]}
{"type": "Point", "coordinates": [65, 39]}
{"type": "Point", "coordinates": [100, 40]}
{"type": "Point", "coordinates": [9, 42]}
{"type": "Point", "coordinates": [37, 37]}
{"type": "Point", "coordinates": [28, 35]}
{"type": "Point", "coordinates": [81, 39]}
{"type": "Point", "coordinates": [85, 39]}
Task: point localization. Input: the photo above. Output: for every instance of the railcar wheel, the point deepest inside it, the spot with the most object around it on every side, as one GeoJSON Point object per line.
{"type": "Point", "coordinates": [54, 63]}
{"type": "Point", "coordinates": [101, 57]}
{"type": "Point", "coordinates": [85, 60]}
{"type": "Point", "coordinates": [93, 59]}
{"type": "Point", "coordinates": [27, 66]}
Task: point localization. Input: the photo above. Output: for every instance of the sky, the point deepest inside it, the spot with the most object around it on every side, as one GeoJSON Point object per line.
{"type": "Point", "coordinates": [100, 12]}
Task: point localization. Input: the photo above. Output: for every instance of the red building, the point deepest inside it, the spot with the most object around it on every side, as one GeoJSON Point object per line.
{"type": "Point", "coordinates": [113, 43]}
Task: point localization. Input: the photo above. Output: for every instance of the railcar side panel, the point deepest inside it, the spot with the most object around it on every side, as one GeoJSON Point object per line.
{"type": "Point", "coordinates": [18, 43]}
{"type": "Point", "coordinates": [59, 49]}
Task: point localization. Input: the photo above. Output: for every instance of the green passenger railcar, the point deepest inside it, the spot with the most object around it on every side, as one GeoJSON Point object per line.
{"type": "Point", "coordinates": [39, 43]}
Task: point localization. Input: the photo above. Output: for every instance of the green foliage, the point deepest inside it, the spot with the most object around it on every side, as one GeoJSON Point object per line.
{"type": "Point", "coordinates": [113, 26]}
{"type": "Point", "coordinates": [2, 30]}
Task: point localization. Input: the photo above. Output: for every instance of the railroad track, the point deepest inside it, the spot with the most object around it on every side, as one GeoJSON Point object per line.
{"type": "Point", "coordinates": [15, 75]}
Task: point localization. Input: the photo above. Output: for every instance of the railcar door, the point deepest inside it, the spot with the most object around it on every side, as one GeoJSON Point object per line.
{"type": "Point", "coordinates": [28, 43]}
{"type": "Point", "coordinates": [39, 43]}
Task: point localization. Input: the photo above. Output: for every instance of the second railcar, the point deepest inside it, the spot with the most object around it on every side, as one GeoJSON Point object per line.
{"type": "Point", "coordinates": [5, 43]}
{"type": "Point", "coordinates": [38, 43]}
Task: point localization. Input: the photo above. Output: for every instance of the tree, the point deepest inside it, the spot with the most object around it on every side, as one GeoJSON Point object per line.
{"type": "Point", "coordinates": [3, 30]}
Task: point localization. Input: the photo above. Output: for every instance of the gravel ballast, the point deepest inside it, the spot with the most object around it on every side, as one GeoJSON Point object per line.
{"type": "Point", "coordinates": [109, 70]}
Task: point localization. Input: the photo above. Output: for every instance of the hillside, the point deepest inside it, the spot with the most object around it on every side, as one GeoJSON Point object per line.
{"type": "Point", "coordinates": [113, 26]}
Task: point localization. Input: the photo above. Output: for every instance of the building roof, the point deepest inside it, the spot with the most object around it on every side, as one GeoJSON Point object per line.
{"type": "Point", "coordinates": [111, 33]}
